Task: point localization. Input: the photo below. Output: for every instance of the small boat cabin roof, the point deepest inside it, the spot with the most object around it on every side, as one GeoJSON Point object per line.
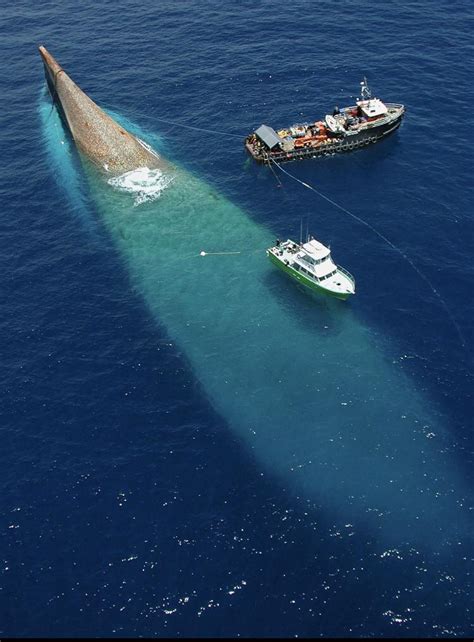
{"type": "Point", "coordinates": [316, 249]}
{"type": "Point", "coordinates": [268, 135]}
{"type": "Point", "coordinates": [372, 107]}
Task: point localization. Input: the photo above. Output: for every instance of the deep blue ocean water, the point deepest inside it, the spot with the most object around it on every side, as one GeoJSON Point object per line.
{"type": "Point", "coordinates": [169, 468]}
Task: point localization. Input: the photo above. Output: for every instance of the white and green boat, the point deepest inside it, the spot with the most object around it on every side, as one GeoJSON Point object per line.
{"type": "Point", "coordinates": [311, 265]}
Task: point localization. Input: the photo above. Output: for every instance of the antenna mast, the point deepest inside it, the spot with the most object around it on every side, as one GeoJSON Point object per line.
{"type": "Point", "coordinates": [365, 92]}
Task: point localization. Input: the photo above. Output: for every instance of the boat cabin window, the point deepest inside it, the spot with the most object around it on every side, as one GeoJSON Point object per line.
{"type": "Point", "coordinates": [312, 261]}
{"type": "Point", "coordinates": [328, 276]}
{"type": "Point", "coordinates": [310, 274]}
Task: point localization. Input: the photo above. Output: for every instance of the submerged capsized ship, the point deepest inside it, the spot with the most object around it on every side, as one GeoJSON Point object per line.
{"type": "Point", "coordinates": [276, 375]}
{"type": "Point", "coordinates": [349, 128]}
{"type": "Point", "coordinates": [106, 144]}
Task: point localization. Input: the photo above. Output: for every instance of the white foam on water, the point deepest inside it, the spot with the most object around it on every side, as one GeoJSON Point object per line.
{"type": "Point", "coordinates": [144, 184]}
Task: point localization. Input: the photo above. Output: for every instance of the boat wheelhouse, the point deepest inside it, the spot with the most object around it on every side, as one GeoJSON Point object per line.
{"type": "Point", "coordinates": [311, 265]}
{"type": "Point", "coordinates": [346, 129]}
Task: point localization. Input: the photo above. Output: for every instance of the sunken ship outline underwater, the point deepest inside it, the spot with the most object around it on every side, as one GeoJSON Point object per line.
{"type": "Point", "coordinates": [347, 129]}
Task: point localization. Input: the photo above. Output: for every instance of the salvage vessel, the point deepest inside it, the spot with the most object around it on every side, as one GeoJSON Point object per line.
{"type": "Point", "coordinates": [347, 129]}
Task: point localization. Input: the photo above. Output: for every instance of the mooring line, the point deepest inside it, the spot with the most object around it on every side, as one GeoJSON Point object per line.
{"type": "Point", "coordinates": [203, 253]}
{"type": "Point", "coordinates": [180, 124]}
{"type": "Point", "coordinates": [199, 129]}
{"type": "Point", "coordinates": [273, 171]}
{"type": "Point", "coordinates": [388, 242]}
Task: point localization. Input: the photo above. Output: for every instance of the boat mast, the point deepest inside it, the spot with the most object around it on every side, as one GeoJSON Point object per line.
{"type": "Point", "coordinates": [365, 92]}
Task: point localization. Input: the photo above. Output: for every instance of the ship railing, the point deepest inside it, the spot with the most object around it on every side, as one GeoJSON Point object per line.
{"type": "Point", "coordinates": [346, 273]}
{"type": "Point", "coordinates": [295, 154]}
{"type": "Point", "coordinates": [304, 153]}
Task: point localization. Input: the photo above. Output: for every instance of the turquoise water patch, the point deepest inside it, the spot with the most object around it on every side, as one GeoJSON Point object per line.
{"type": "Point", "coordinates": [64, 161]}
{"type": "Point", "coordinates": [300, 381]}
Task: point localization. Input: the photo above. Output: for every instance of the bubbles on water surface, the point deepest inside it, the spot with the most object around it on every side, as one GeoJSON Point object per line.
{"type": "Point", "coordinates": [144, 184]}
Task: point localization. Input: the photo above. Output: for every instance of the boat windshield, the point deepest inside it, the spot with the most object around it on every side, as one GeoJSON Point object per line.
{"type": "Point", "coordinates": [312, 261]}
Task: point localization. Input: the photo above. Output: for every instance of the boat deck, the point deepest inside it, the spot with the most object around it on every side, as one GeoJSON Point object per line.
{"type": "Point", "coordinates": [331, 143]}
